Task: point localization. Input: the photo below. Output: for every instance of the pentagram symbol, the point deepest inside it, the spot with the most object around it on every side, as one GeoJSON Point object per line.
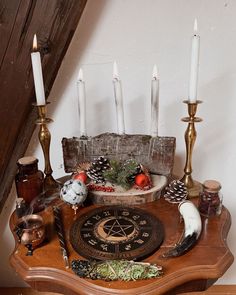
{"type": "Point", "coordinates": [116, 233]}
{"type": "Point", "coordinates": [117, 229]}
{"type": "Point", "coordinates": [114, 229]}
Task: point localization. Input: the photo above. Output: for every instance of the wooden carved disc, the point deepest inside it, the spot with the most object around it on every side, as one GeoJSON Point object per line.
{"type": "Point", "coordinates": [116, 233]}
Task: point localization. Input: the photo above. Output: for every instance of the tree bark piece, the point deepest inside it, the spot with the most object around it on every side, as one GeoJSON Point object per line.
{"type": "Point", "coordinates": [155, 153]}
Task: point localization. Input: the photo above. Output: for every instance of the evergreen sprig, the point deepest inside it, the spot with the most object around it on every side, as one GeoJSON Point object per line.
{"type": "Point", "coordinates": [121, 172]}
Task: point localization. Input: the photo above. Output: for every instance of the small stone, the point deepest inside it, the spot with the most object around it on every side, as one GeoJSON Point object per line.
{"type": "Point", "coordinates": [74, 192]}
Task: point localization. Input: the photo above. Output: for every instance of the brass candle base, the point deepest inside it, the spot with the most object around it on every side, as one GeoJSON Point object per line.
{"type": "Point", "coordinates": [193, 187]}
{"type": "Point", "coordinates": [51, 186]}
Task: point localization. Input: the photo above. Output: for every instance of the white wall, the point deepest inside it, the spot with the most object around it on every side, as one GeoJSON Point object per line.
{"type": "Point", "coordinates": [138, 34]}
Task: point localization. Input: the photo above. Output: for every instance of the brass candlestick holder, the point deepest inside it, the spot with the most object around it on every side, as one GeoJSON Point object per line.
{"type": "Point", "coordinates": [193, 187]}
{"type": "Point", "coordinates": [51, 186]}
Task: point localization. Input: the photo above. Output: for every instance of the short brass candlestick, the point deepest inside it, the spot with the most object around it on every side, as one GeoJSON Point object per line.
{"type": "Point", "coordinates": [51, 186]}
{"type": "Point", "coordinates": [193, 187]}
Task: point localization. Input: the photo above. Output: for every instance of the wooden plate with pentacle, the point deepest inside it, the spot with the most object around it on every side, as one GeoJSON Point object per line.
{"type": "Point", "coordinates": [116, 232]}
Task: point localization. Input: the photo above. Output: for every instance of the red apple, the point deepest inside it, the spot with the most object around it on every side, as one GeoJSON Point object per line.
{"type": "Point", "coordinates": [141, 180]}
{"type": "Point", "coordinates": [82, 176]}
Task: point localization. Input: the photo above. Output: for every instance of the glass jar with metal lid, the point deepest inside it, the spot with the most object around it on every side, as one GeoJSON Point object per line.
{"type": "Point", "coordinates": [210, 203]}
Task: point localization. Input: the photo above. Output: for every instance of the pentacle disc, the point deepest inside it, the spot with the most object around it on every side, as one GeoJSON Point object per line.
{"type": "Point", "coordinates": [116, 232]}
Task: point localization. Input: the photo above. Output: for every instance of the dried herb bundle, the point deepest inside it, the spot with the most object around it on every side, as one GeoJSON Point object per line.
{"type": "Point", "coordinates": [112, 270]}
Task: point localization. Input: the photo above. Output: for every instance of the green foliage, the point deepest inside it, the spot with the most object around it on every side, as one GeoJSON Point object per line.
{"type": "Point", "coordinates": [112, 173]}
{"type": "Point", "coordinates": [121, 172]}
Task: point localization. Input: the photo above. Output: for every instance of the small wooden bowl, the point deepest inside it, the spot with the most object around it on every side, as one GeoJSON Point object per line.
{"type": "Point", "coordinates": [132, 196]}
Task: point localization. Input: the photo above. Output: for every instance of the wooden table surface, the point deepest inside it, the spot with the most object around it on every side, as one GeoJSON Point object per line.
{"type": "Point", "coordinates": [194, 271]}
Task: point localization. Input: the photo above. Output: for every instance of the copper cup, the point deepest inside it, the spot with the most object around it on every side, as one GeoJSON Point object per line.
{"type": "Point", "coordinates": [30, 230]}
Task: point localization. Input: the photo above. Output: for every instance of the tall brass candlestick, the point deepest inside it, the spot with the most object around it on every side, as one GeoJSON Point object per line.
{"type": "Point", "coordinates": [51, 186]}
{"type": "Point", "coordinates": [193, 187]}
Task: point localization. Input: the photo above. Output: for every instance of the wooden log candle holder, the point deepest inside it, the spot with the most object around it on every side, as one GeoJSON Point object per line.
{"type": "Point", "coordinates": [155, 153]}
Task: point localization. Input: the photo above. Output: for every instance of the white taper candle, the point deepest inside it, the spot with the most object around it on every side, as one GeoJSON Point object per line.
{"type": "Point", "coordinates": [82, 103]}
{"type": "Point", "coordinates": [118, 100]}
{"type": "Point", "coordinates": [194, 65]}
{"type": "Point", "coordinates": [154, 102]}
{"type": "Point", "coordinates": [37, 73]}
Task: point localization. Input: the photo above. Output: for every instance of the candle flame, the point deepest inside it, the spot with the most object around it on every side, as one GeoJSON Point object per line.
{"type": "Point", "coordinates": [80, 75]}
{"type": "Point", "coordinates": [35, 45]}
{"type": "Point", "coordinates": [155, 73]}
{"type": "Point", "coordinates": [115, 71]}
{"type": "Point", "coordinates": [195, 26]}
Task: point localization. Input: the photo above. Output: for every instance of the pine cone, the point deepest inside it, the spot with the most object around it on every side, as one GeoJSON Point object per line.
{"type": "Point", "coordinates": [176, 192]}
{"type": "Point", "coordinates": [95, 172]}
{"type": "Point", "coordinates": [83, 166]}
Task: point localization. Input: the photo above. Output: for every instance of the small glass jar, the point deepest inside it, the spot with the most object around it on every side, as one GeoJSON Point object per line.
{"type": "Point", "coordinates": [210, 203]}
{"type": "Point", "coordinates": [29, 180]}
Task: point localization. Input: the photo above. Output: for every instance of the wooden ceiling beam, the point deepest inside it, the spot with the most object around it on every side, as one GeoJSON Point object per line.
{"type": "Point", "coordinates": [54, 22]}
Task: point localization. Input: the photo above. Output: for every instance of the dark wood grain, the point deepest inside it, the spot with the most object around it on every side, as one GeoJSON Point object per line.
{"type": "Point", "coordinates": [194, 271]}
{"type": "Point", "coordinates": [54, 21]}
{"type": "Point", "coordinates": [8, 12]}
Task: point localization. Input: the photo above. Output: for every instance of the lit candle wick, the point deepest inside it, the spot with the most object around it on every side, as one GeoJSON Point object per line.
{"type": "Point", "coordinates": [35, 43]}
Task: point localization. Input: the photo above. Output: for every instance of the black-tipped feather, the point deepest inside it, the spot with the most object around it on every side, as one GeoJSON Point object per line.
{"type": "Point", "coordinates": [185, 245]}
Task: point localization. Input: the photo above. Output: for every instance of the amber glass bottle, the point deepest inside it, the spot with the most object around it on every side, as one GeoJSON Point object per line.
{"type": "Point", "coordinates": [29, 180]}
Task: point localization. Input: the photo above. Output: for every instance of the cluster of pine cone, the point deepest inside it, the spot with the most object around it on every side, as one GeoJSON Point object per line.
{"type": "Point", "coordinates": [122, 172]}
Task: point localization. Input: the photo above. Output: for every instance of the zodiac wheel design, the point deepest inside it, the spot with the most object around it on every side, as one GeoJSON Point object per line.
{"type": "Point", "coordinates": [116, 233]}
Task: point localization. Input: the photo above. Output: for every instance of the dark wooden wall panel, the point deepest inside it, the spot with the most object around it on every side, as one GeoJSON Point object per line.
{"type": "Point", "coordinates": [54, 22]}
{"type": "Point", "coordinates": [8, 12]}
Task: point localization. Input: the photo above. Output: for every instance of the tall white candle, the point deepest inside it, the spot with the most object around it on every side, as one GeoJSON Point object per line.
{"type": "Point", "coordinates": [118, 100]}
{"type": "Point", "coordinates": [194, 65]}
{"type": "Point", "coordinates": [37, 73]}
{"type": "Point", "coordinates": [154, 102]}
{"type": "Point", "coordinates": [82, 103]}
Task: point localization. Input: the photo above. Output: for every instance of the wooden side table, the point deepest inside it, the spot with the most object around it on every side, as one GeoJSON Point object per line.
{"type": "Point", "coordinates": [194, 271]}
